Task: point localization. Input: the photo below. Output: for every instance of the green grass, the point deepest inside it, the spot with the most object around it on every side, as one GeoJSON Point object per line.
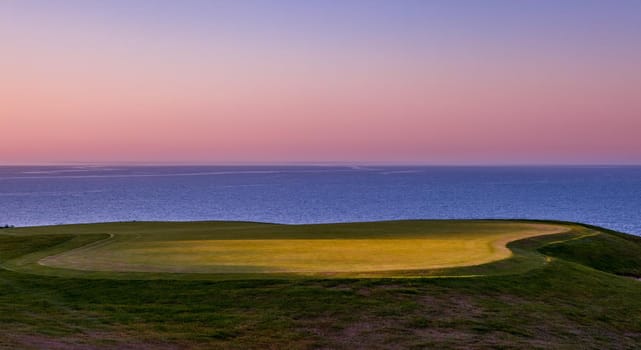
{"type": "Point", "coordinates": [554, 292]}
{"type": "Point", "coordinates": [386, 248]}
{"type": "Point", "coordinates": [224, 250]}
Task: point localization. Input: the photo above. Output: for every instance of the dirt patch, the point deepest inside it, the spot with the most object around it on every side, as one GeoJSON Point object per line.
{"type": "Point", "coordinates": [450, 306]}
{"type": "Point", "coordinates": [425, 320]}
{"type": "Point", "coordinates": [86, 341]}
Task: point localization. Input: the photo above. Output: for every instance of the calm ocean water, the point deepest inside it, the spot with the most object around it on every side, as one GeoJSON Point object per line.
{"type": "Point", "coordinates": [604, 196]}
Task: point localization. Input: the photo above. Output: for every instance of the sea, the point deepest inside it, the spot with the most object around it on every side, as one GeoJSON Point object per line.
{"type": "Point", "coordinates": [607, 196]}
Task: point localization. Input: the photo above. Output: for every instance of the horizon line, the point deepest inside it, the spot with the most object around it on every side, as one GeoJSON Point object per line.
{"type": "Point", "coordinates": [321, 164]}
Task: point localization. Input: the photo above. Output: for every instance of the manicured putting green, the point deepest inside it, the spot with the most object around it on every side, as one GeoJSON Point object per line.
{"type": "Point", "coordinates": [223, 247]}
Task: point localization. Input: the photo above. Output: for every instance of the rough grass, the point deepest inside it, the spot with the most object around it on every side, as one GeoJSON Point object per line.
{"type": "Point", "coordinates": [615, 253]}
{"type": "Point", "coordinates": [559, 304]}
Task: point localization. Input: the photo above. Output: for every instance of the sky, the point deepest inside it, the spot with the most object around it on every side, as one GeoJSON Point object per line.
{"type": "Point", "coordinates": [372, 81]}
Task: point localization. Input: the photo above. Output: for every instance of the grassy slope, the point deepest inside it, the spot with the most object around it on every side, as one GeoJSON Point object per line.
{"type": "Point", "coordinates": [612, 252]}
{"type": "Point", "coordinates": [304, 249]}
{"type": "Point", "coordinates": [564, 303]}
{"type": "Point", "coordinates": [149, 234]}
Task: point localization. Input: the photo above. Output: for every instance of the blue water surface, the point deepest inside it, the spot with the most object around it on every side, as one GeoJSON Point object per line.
{"type": "Point", "coordinates": [604, 196]}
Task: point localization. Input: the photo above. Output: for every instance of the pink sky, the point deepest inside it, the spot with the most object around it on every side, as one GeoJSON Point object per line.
{"type": "Point", "coordinates": [82, 85]}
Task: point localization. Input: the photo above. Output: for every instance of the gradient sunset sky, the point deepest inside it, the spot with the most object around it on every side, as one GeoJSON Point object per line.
{"type": "Point", "coordinates": [396, 81]}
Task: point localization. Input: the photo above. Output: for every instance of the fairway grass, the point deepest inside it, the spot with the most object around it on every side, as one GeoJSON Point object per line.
{"type": "Point", "coordinates": [554, 286]}
{"type": "Point", "coordinates": [358, 248]}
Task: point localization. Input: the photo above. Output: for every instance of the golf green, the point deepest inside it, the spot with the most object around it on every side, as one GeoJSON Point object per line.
{"type": "Point", "coordinates": [408, 248]}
